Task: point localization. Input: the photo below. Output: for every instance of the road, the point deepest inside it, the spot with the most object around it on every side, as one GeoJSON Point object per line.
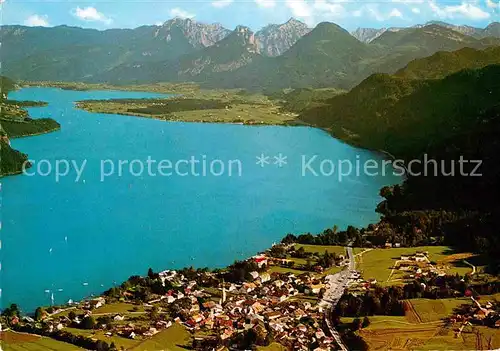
{"type": "Point", "coordinates": [336, 285]}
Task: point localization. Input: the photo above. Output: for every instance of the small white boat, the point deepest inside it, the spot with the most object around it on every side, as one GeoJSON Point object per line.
{"type": "Point", "coordinates": [85, 284]}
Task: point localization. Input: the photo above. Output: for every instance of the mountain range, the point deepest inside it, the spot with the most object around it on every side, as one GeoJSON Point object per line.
{"type": "Point", "coordinates": [276, 57]}
{"type": "Point", "coordinates": [369, 34]}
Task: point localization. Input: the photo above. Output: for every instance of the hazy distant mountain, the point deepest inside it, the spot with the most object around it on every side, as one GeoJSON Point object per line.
{"type": "Point", "coordinates": [275, 39]}
{"type": "Point", "coordinates": [366, 35]}
{"type": "Point", "coordinates": [405, 45]}
{"type": "Point", "coordinates": [467, 30]}
{"type": "Point", "coordinates": [493, 30]}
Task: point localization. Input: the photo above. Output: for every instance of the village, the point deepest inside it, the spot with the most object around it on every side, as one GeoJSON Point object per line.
{"type": "Point", "coordinates": [282, 296]}
{"type": "Point", "coordinates": [273, 306]}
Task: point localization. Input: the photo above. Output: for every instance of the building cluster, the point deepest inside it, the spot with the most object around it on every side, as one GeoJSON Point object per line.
{"type": "Point", "coordinates": [478, 314]}
{"type": "Point", "coordinates": [417, 265]}
{"type": "Point", "coordinates": [269, 302]}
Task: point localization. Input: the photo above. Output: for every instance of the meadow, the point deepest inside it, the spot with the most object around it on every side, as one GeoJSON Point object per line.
{"type": "Point", "coordinates": [12, 341]}
{"type": "Point", "coordinates": [378, 263]}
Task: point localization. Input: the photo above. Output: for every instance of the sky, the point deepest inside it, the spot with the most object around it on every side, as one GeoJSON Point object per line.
{"type": "Point", "coordinates": [350, 14]}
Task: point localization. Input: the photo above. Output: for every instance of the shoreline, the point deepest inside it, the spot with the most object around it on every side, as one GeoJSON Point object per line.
{"type": "Point", "coordinates": [36, 134]}
{"type": "Point", "coordinates": [256, 124]}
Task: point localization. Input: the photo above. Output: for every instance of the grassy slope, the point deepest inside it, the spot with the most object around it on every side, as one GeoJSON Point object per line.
{"type": "Point", "coordinates": [11, 341]}
{"type": "Point", "coordinates": [173, 338]}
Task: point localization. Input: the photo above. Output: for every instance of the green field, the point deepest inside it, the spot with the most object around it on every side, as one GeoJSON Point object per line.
{"type": "Point", "coordinates": [99, 335]}
{"type": "Point", "coordinates": [11, 341]}
{"type": "Point", "coordinates": [211, 107]}
{"type": "Point", "coordinates": [272, 347]}
{"type": "Point", "coordinates": [339, 250]}
{"type": "Point", "coordinates": [172, 339]}
{"type": "Point", "coordinates": [378, 263]}
{"type": "Point", "coordinates": [119, 308]}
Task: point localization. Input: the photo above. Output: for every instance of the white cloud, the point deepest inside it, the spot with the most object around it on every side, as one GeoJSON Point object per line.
{"type": "Point", "coordinates": [415, 10]}
{"type": "Point", "coordinates": [299, 8]}
{"type": "Point", "coordinates": [409, 1]}
{"type": "Point", "coordinates": [178, 12]}
{"type": "Point", "coordinates": [376, 14]}
{"type": "Point", "coordinates": [90, 14]}
{"type": "Point", "coordinates": [466, 10]}
{"type": "Point", "coordinates": [267, 4]}
{"type": "Point", "coordinates": [329, 8]}
{"type": "Point", "coordinates": [37, 21]}
{"type": "Point", "coordinates": [395, 13]}
{"type": "Point", "coordinates": [491, 4]}
{"type": "Point", "coordinates": [357, 13]}
{"type": "Point", "coordinates": [221, 3]}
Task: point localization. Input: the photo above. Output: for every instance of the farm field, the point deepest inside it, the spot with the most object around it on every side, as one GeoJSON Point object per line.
{"type": "Point", "coordinates": [11, 341]}
{"type": "Point", "coordinates": [422, 328]}
{"type": "Point", "coordinates": [428, 336]}
{"type": "Point", "coordinates": [428, 310]}
{"type": "Point", "coordinates": [378, 263]}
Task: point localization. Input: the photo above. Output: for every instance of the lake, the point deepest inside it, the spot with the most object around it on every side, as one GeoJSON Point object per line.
{"type": "Point", "coordinates": [76, 237]}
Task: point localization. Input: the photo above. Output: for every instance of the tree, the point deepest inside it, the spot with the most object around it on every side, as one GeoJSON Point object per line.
{"type": "Point", "coordinates": [11, 311]}
{"type": "Point", "coordinates": [39, 314]}
{"type": "Point", "coordinates": [366, 322]}
{"type": "Point", "coordinates": [72, 315]}
{"type": "Point", "coordinates": [154, 315]}
{"type": "Point", "coordinates": [357, 324]}
{"type": "Point", "coordinates": [151, 274]}
{"type": "Point", "coordinates": [88, 322]}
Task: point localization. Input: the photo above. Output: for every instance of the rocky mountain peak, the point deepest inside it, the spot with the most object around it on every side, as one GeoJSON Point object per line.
{"type": "Point", "coordinates": [367, 35]}
{"type": "Point", "coordinates": [198, 34]}
{"type": "Point", "coordinates": [246, 38]}
{"type": "Point", "coordinates": [275, 39]}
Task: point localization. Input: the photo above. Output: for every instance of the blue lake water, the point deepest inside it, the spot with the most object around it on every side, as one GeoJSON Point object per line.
{"type": "Point", "coordinates": [58, 235]}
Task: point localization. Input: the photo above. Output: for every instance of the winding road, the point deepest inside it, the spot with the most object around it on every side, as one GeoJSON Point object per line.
{"type": "Point", "coordinates": [336, 285]}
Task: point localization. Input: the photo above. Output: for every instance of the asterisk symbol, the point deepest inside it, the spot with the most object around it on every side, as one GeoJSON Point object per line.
{"type": "Point", "coordinates": [280, 160]}
{"type": "Point", "coordinates": [262, 160]}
